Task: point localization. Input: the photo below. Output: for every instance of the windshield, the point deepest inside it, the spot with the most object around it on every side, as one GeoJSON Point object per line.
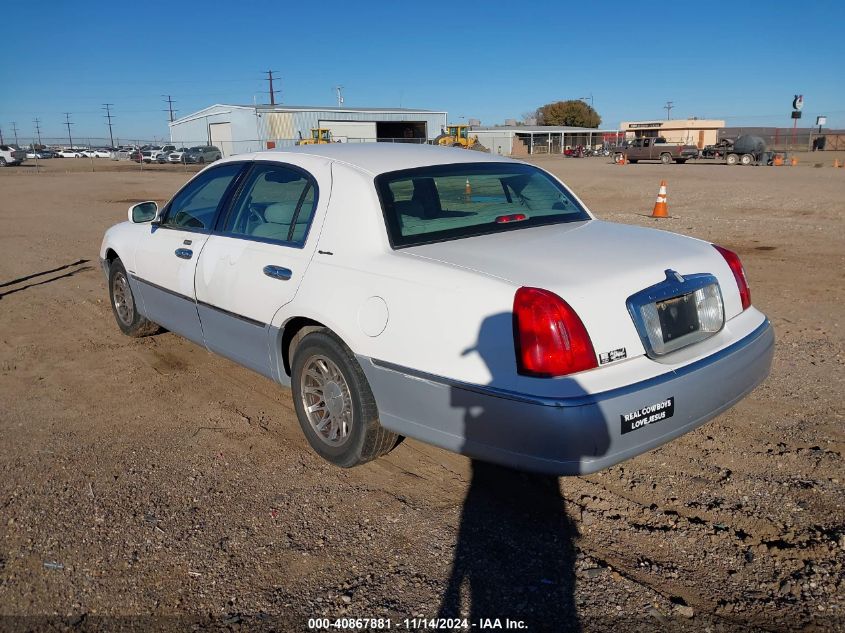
{"type": "Point", "coordinates": [447, 202]}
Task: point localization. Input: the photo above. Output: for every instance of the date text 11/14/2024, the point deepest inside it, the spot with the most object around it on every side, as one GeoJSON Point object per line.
{"type": "Point", "coordinates": [415, 624]}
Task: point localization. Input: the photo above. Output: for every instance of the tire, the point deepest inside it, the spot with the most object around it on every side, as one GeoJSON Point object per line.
{"type": "Point", "coordinates": [732, 159]}
{"type": "Point", "coordinates": [633, 161]}
{"type": "Point", "coordinates": [665, 158]}
{"type": "Point", "coordinates": [2, 162]}
{"type": "Point", "coordinates": [123, 304]}
{"type": "Point", "coordinates": [681, 161]}
{"type": "Point", "coordinates": [324, 368]}
{"type": "Point", "coordinates": [746, 159]}
{"type": "Point", "coordinates": [617, 158]}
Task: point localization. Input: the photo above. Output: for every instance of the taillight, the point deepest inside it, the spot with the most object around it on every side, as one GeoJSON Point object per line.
{"type": "Point", "coordinates": [739, 275]}
{"type": "Point", "coordinates": [549, 336]}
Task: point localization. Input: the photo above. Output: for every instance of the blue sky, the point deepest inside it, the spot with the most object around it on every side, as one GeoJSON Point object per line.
{"type": "Point", "coordinates": [741, 61]}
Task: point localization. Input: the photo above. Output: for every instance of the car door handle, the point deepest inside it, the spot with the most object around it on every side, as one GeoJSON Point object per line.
{"type": "Point", "coordinates": [184, 253]}
{"type": "Point", "coordinates": [277, 272]}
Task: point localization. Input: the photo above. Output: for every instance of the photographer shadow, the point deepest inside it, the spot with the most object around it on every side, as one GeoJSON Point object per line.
{"type": "Point", "coordinates": [515, 553]}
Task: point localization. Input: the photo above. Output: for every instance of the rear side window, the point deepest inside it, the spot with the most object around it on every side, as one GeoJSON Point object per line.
{"type": "Point", "coordinates": [276, 203]}
{"type": "Point", "coordinates": [447, 202]}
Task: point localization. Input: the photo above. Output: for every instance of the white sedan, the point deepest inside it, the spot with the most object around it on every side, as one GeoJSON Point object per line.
{"type": "Point", "coordinates": [97, 153]}
{"type": "Point", "coordinates": [69, 153]}
{"type": "Point", "coordinates": [466, 300]}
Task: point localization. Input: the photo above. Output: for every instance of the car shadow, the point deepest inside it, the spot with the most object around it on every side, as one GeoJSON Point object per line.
{"type": "Point", "coordinates": [515, 553]}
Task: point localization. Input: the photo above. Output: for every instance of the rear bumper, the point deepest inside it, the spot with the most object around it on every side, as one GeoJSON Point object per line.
{"type": "Point", "coordinates": [568, 436]}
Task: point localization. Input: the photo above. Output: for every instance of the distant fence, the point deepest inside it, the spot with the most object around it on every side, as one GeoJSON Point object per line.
{"type": "Point", "coordinates": [783, 139]}
{"type": "Point", "coordinates": [229, 147]}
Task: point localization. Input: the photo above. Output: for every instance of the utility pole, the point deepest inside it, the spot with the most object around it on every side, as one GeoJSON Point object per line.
{"type": "Point", "coordinates": [107, 107]}
{"type": "Point", "coordinates": [590, 98]}
{"type": "Point", "coordinates": [339, 90]}
{"type": "Point", "coordinates": [15, 131]}
{"type": "Point", "coordinates": [272, 92]}
{"type": "Point", "coordinates": [1, 135]}
{"type": "Point", "coordinates": [38, 129]}
{"type": "Point", "coordinates": [668, 107]}
{"type": "Point", "coordinates": [68, 124]}
{"type": "Point", "coordinates": [170, 103]}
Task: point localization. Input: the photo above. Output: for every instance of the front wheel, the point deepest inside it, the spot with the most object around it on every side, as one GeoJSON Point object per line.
{"type": "Point", "coordinates": [334, 404]}
{"type": "Point", "coordinates": [665, 158]}
{"type": "Point", "coordinates": [129, 320]}
{"type": "Point", "coordinates": [2, 162]}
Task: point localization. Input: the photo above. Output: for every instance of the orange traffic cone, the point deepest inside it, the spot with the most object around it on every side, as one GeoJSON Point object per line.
{"type": "Point", "coordinates": [794, 161]}
{"type": "Point", "coordinates": [468, 192]}
{"type": "Point", "coordinates": [661, 209]}
{"type": "Point", "coordinates": [835, 163]}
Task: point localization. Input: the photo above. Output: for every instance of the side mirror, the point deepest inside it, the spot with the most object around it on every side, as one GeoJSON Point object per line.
{"type": "Point", "coordinates": [143, 212]}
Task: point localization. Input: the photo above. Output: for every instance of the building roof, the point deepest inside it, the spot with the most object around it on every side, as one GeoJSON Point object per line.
{"type": "Point", "coordinates": [297, 108]}
{"type": "Point", "coordinates": [378, 158]}
{"type": "Point", "coordinates": [334, 108]}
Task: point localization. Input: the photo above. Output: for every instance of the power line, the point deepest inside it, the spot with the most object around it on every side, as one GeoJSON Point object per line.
{"type": "Point", "coordinates": [170, 109]}
{"type": "Point", "coordinates": [68, 124]}
{"type": "Point", "coordinates": [668, 107]}
{"type": "Point", "coordinates": [272, 92]}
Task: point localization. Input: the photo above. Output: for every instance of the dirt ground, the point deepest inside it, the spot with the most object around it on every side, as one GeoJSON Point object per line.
{"type": "Point", "coordinates": [148, 485]}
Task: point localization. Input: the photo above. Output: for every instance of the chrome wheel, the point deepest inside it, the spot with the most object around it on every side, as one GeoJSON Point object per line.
{"type": "Point", "coordinates": [326, 400]}
{"type": "Point", "coordinates": [124, 304]}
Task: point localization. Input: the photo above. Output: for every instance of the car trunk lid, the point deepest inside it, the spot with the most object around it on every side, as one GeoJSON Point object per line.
{"type": "Point", "coordinates": [595, 266]}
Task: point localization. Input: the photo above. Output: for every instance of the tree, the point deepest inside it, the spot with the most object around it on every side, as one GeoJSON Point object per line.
{"type": "Point", "coordinates": [573, 112]}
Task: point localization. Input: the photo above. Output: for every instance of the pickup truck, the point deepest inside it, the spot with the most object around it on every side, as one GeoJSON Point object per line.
{"type": "Point", "coordinates": [655, 149]}
{"type": "Point", "coordinates": [11, 155]}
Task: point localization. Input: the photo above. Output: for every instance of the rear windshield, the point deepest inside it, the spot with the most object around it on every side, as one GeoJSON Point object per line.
{"type": "Point", "coordinates": [448, 202]}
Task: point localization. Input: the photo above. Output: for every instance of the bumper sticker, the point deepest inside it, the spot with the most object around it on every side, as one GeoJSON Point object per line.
{"type": "Point", "coordinates": [609, 357]}
{"type": "Point", "coordinates": [648, 415]}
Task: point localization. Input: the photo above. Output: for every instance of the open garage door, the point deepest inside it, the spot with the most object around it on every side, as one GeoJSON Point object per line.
{"type": "Point", "coordinates": [221, 136]}
{"type": "Point", "coordinates": [351, 131]}
{"type": "Point", "coordinates": [397, 131]}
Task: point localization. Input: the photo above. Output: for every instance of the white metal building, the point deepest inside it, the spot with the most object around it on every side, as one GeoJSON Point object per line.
{"type": "Point", "coordinates": [237, 129]}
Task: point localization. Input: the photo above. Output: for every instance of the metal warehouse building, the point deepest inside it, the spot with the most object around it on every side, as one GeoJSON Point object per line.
{"type": "Point", "coordinates": [237, 129]}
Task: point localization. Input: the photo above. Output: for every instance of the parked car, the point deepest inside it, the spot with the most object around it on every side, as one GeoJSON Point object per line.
{"type": "Point", "coordinates": [161, 157]}
{"type": "Point", "coordinates": [11, 155]}
{"type": "Point", "coordinates": [466, 300]}
{"type": "Point", "coordinates": [70, 153]}
{"type": "Point", "coordinates": [123, 153]}
{"type": "Point", "coordinates": [202, 154]}
{"type": "Point", "coordinates": [100, 152]}
{"type": "Point", "coordinates": [40, 154]}
{"type": "Point", "coordinates": [177, 155]}
{"type": "Point", "coordinates": [136, 155]}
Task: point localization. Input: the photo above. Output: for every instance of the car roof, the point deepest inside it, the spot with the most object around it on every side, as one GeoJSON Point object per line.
{"type": "Point", "coordinates": [379, 158]}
